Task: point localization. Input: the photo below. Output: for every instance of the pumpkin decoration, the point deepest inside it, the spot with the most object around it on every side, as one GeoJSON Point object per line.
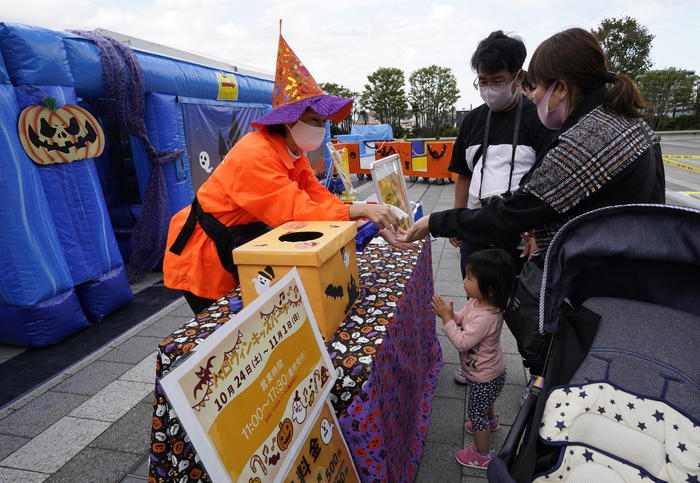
{"type": "Point", "coordinates": [62, 135]}
{"type": "Point", "coordinates": [349, 361]}
{"type": "Point", "coordinates": [284, 435]}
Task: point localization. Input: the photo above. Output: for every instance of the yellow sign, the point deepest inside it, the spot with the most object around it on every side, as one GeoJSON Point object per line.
{"type": "Point", "coordinates": [323, 456]}
{"type": "Point", "coordinates": [390, 186]}
{"type": "Point", "coordinates": [248, 392]}
{"type": "Point", "coordinates": [228, 87]}
{"type": "Point", "coordinates": [340, 161]}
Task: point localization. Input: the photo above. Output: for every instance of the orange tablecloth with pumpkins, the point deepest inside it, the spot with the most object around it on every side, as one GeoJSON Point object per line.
{"type": "Point", "coordinates": [387, 358]}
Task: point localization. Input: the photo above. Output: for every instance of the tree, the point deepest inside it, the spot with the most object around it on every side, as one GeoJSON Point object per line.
{"type": "Point", "coordinates": [433, 95]}
{"type": "Point", "coordinates": [344, 126]}
{"type": "Point", "coordinates": [668, 91]}
{"type": "Point", "coordinates": [627, 45]}
{"type": "Point", "coordinates": [385, 95]}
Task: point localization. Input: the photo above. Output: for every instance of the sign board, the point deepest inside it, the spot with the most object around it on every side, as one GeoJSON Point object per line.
{"type": "Point", "coordinates": [390, 186]}
{"type": "Point", "coordinates": [323, 456]}
{"type": "Point", "coordinates": [341, 166]}
{"type": "Point", "coordinates": [228, 87]}
{"type": "Point", "coordinates": [248, 393]}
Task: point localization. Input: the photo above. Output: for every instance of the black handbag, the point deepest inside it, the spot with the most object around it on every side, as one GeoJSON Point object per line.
{"type": "Point", "coordinates": [522, 314]}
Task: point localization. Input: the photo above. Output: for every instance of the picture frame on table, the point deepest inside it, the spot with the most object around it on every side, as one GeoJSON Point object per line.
{"type": "Point", "coordinates": [341, 167]}
{"type": "Point", "coordinates": [390, 186]}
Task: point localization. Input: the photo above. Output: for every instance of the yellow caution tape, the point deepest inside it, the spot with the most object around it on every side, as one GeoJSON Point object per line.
{"type": "Point", "coordinates": [692, 169]}
{"type": "Point", "coordinates": [681, 156]}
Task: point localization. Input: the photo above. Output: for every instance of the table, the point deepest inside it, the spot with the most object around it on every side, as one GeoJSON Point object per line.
{"type": "Point", "coordinates": [387, 357]}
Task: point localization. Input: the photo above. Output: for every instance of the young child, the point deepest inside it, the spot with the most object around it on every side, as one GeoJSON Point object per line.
{"type": "Point", "coordinates": [476, 331]}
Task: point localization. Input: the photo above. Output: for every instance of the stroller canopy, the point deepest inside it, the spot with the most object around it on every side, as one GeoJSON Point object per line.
{"type": "Point", "coordinates": [641, 252]}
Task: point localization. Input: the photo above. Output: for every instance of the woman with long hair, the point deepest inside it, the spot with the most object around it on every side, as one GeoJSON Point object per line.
{"type": "Point", "coordinates": [604, 153]}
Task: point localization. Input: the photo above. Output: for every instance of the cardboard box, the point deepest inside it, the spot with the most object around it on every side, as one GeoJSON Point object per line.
{"type": "Point", "coordinates": [324, 254]}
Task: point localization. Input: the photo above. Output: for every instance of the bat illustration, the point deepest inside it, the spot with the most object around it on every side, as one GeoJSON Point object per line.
{"type": "Point", "coordinates": [334, 291]}
{"type": "Point", "coordinates": [353, 294]}
{"type": "Point", "coordinates": [204, 375]}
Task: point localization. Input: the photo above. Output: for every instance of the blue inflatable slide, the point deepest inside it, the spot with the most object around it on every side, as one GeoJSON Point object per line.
{"type": "Point", "coordinates": [75, 233]}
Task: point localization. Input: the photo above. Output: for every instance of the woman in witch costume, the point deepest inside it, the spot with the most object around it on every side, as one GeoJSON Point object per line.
{"type": "Point", "coordinates": [265, 180]}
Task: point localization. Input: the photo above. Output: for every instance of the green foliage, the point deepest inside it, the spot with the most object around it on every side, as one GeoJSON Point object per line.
{"type": "Point", "coordinates": [342, 127]}
{"type": "Point", "coordinates": [627, 45]}
{"type": "Point", "coordinates": [449, 132]}
{"type": "Point", "coordinates": [385, 95]}
{"type": "Point", "coordinates": [667, 91]}
{"type": "Point", "coordinates": [433, 95]}
{"type": "Point", "coordinates": [680, 123]}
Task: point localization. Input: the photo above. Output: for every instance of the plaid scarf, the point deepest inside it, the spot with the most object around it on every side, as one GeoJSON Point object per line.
{"type": "Point", "coordinates": [589, 154]}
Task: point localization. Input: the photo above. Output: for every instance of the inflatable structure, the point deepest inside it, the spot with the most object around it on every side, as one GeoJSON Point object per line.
{"type": "Point", "coordinates": [99, 146]}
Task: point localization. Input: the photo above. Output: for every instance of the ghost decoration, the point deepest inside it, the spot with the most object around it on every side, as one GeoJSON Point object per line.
{"type": "Point", "coordinates": [326, 431]}
{"type": "Point", "coordinates": [205, 162]}
{"type": "Point", "coordinates": [339, 347]}
{"type": "Point", "coordinates": [263, 280]}
{"type": "Point", "coordinates": [298, 410]}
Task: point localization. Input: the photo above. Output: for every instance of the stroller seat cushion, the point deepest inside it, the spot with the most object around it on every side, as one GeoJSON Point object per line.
{"type": "Point", "coordinates": [645, 348]}
{"type": "Point", "coordinates": [645, 432]}
{"type": "Point", "coordinates": [581, 464]}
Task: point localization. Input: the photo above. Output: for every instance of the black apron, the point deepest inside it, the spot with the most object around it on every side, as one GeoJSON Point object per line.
{"type": "Point", "coordinates": [226, 238]}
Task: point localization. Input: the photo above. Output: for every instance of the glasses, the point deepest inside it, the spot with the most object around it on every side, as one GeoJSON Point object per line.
{"type": "Point", "coordinates": [480, 83]}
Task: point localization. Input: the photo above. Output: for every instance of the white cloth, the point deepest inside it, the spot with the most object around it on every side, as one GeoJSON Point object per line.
{"type": "Point", "coordinates": [497, 169]}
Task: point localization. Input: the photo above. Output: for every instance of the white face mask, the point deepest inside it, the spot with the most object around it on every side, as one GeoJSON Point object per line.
{"type": "Point", "coordinates": [498, 98]}
{"type": "Point", "coordinates": [306, 136]}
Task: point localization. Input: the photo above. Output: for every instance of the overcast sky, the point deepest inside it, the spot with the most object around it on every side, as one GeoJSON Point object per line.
{"type": "Point", "coordinates": [343, 41]}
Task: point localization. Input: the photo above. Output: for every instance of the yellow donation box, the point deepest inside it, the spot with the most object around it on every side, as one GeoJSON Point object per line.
{"type": "Point", "coordinates": [324, 254]}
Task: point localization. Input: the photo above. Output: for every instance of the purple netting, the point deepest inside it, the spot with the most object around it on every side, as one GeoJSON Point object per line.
{"type": "Point", "coordinates": [124, 84]}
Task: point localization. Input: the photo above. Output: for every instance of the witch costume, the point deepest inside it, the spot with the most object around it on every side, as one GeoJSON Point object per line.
{"type": "Point", "coordinates": [260, 184]}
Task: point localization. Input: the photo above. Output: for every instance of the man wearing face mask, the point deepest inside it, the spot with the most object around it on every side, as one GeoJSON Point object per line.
{"type": "Point", "coordinates": [500, 140]}
{"type": "Point", "coordinates": [265, 180]}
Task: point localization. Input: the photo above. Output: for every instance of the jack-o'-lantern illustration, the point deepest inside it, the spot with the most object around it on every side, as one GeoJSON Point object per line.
{"type": "Point", "coordinates": [284, 435]}
{"type": "Point", "coordinates": [62, 135]}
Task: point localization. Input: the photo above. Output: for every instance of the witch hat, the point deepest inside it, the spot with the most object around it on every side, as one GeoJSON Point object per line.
{"type": "Point", "coordinates": [296, 90]}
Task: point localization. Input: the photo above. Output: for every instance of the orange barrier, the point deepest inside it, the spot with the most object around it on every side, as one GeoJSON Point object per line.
{"type": "Point", "coordinates": [402, 148]}
{"type": "Point", "coordinates": [353, 159]}
{"type": "Point", "coordinates": [439, 155]}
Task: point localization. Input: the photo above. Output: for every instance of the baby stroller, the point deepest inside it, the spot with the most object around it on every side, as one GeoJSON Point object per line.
{"type": "Point", "coordinates": [620, 396]}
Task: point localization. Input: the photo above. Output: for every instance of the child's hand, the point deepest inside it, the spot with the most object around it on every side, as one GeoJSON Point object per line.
{"type": "Point", "coordinates": [444, 310]}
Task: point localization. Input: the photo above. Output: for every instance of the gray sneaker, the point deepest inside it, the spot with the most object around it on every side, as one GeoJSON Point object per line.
{"type": "Point", "coordinates": [459, 377]}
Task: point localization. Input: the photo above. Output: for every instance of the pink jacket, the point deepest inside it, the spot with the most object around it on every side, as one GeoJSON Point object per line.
{"type": "Point", "coordinates": [476, 333]}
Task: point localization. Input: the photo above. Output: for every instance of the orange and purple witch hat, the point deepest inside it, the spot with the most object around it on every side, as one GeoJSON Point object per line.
{"type": "Point", "coordinates": [296, 90]}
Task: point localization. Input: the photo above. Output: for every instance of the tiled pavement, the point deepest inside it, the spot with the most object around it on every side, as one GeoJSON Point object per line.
{"type": "Point", "coordinates": [92, 423]}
